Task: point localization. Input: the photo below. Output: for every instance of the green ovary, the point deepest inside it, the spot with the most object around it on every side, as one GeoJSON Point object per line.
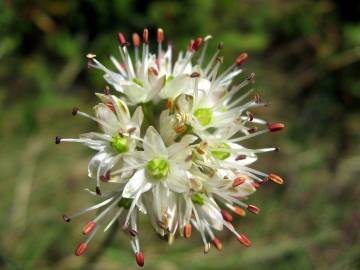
{"type": "Point", "coordinates": [157, 168]}
{"type": "Point", "coordinates": [119, 143]}
{"type": "Point", "coordinates": [203, 115]}
{"type": "Point", "coordinates": [221, 155]}
{"type": "Point", "coordinates": [197, 198]}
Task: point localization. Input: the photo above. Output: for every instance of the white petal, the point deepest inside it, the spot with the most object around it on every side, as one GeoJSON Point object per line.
{"type": "Point", "coordinates": [211, 213]}
{"type": "Point", "coordinates": [136, 184]}
{"type": "Point", "coordinates": [154, 146]}
{"type": "Point", "coordinates": [177, 181]}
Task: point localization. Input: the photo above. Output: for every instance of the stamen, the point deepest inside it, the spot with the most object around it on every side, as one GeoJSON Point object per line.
{"type": "Point", "coordinates": [195, 75]}
{"type": "Point", "coordinates": [160, 35]}
{"type": "Point", "coordinates": [140, 258]}
{"type": "Point", "coordinates": [217, 243]}
{"type": "Point", "coordinates": [241, 59]}
{"type": "Point", "coordinates": [121, 39]}
{"type": "Point", "coordinates": [197, 44]}
{"type": "Point", "coordinates": [187, 231]}
{"type": "Point", "coordinates": [66, 218]}
{"type": "Point", "coordinates": [97, 189]}
{"type": "Point", "coordinates": [89, 227]}
{"type": "Point", "coordinates": [226, 215]}
{"type": "Point", "coordinates": [81, 248]}
{"type": "Point", "coordinates": [57, 140]}
{"type": "Point", "coordinates": [90, 56]}
{"type": "Point", "coordinates": [136, 40]}
{"type": "Point", "coordinates": [238, 181]}
{"type": "Point", "coordinates": [132, 232]}
{"type": "Point", "coordinates": [244, 240]}
{"type": "Point", "coordinates": [253, 209]}
{"type": "Point", "coordinates": [275, 126]}
{"type": "Point", "coordinates": [275, 178]}
{"type": "Point", "coordinates": [239, 211]}
{"type": "Point", "coordinates": [74, 111]}
{"type": "Point", "coordinates": [240, 157]}
{"type": "Point", "coordinates": [146, 36]}
{"type": "Point", "coordinates": [107, 90]}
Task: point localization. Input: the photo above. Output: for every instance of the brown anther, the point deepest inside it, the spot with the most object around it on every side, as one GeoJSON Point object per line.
{"type": "Point", "coordinates": [275, 178]}
{"type": "Point", "coordinates": [136, 40]}
{"type": "Point", "coordinates": [146, 36]}
{"type": "Point", "coordinates": [238, 181]}
{"type": "Point", "coordinates": [252, 129]}
{"type": "Point", "coordinates": [253, 209]}
{"type": "Point", "coordinates": [106, 177]}
{"type": "Point", "coordinates": [226, 215]}
{"type": "Point", "coordinates": [187, 231]}
{"type": "Point", "coordinates": [170, 104]}
{"type": "Point", "coordinates": [107, 90]}
{"type": "Point", "coordinates": [57, 140]}
{"type": "Point", "coordinates": [140, 258]}
{"type": "Point", "coordinates": [239, 211]}
{"type": "Point", "coordinates": [257, 99]}
{"type": "Point", "coordinates": [133, 232]}
{"type": "Point", "coordinates": [89, 227]}
{"type": "Point", "coordinates": [160, 35]}
{"type": "Point", "coordinates": [153, 71]}
{"type": "Point", "coordinates": [197, 44]}
{"type": "Point", "coordinates": [277, 149]}
{"type": "Point", "coordinates": [66, 218]}
{"type": "Point", "coordinates": [275, 126]}
{"type": "Point", "coordinates": [195, 75]}
{"type": "Point", "coordinates": [131, 130]}
{"type": "Point", "coordinates": [200, 151]}
{"type": "Point", "coordinates": [240, 157]}
{"type": "Point", "coordinates": [81, 248]}
{"type": "Point", "coordinates": [244, 240]}
{"type": "Point", "coordinates": [217, 243]}
{"type": "Point", "coordinates": [90, 56]}
{"type": "Point", "coordinates": [220, 59]}
{"type": "Point", "coordinates": [180, 129]}
{"type": "Point", "coordinates": [75, 111]}
{"type": "Point", "coordinates": [98, 192]}
{"type": "Point", "coordinates": [241, 59]}
{"type": "Point", "coordinates": [110, 105]}
{"type": "Point", "coordinates": [221, 45]}
{"type": "Point", "coordinates": [250, 116]}
{"type": "Point", "coordinates": [121, 39]}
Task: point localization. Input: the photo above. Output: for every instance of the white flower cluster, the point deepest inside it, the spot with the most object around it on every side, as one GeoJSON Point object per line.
{"type": "Point", "coordinates": [169, 144]}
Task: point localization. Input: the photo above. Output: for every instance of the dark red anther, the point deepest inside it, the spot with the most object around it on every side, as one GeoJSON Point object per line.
{"type": "Point", "coordinates": [195, 75]}
{"type": "Point", "coordinates": [238, 181]}
{"type": "Point", "coordinates": [74, 111]}
{"type": "Point", "coordinates": [107, 90]}
{"type": "Point", "coordinates": [57, 139]}
{"type": "Point", "coordinates": [140, 258]}
{"type": "Point", "coordinates": [121, 39]}
{"type": "Point", "coordinates": [241, 59]}
{"type": "Point", "coordinates": [98, 192]}
{"type": "Point", "coordinates": [240, 157]}
{"type": "Point", "coordinates": [133, 232]}
{"type": "Point", "coordinates": [66, 218]}
{"type": "Point", "coordinates": [217, 243]}
{"type": "Point", "coordinates": [89, 227]}
{"type": "Point", "coordinates": [191, 43]}
{"type": "Point", "coordinates": [250, 116]}
{"type": "Point", "coordinates": [197, 44]}
{"type": "Point", "coordinates": [136, 40]}
{"type": "Point", "coordinates": [253, 209]}
{"type": "Point", "coordinates": [81, 248]}
{"type": "Point", "coordinates": [146, 36]}
{"type": "Point", "coordinates": [244, 240]}
{"type": "Point", "coordinates": [160, 35]}
{"type": "Point", "coordinates": [226, 215]}
{"type": "Point", "coordinates": [275, 126]}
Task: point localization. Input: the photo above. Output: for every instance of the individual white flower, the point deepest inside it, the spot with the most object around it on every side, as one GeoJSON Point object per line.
{"type": "Point", "coordinates": [177, 157]}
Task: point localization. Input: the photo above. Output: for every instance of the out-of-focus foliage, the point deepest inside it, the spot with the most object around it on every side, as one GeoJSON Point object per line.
{"type": "Point", "coordinates": [306, 56]}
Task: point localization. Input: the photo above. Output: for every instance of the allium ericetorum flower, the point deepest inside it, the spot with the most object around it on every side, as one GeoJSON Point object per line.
{"type": "Point", "coordinates": [169, 144]}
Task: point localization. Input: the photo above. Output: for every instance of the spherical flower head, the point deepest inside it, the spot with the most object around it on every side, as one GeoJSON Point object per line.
{"type": "Point", "coordinates": [169, 144]}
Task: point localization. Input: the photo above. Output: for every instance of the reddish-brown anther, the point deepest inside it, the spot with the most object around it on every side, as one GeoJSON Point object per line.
{"type": "Point", "coordinates": [273, 127]}
{"type": "Point", "coordinates": [238, 181]}
{"type": "Point", "coordinates": [140, 258]}
{"type": "Point", "coordinates": [195, 75]}
{"type": "Point", "coordinates": [160, 35]}
{"type": "Point", "coordinates": [197, 44]}
{"type": "Point", "coordinates": [226, 215]}
{"type": "Point", "coordinates": [239, 211]}
{"type": "Point", "coordinates": [153, 71]}
{"type": "Point", "coordinates": [187, 231]}
{"type": "Point", "coordinates": [253, 209]}
{"type": "Point", "coordinates": [276, 179]}
{"type": "Point", "coordinates": [191, 43]}
{"type": "Point", "coordinates": [81, 248]}
{"type": "Point", "coordinates": [240, 157]}
{"type": "Point", "coordinates": [136, 40]}
{"type": "Point", "coordinates": [217, 243]}
{"type": "Point", "coordinates": [146, 36]}
{"type": "Point", "coordinates": [121, 38]}
{"type": "Point", "coordinates": [244, 240]}
{"type": "Point", "coordinates": [241, 59]}
{"type": "Point", "coordinates": [74, 111]}
{"type": "Point", "coordinates": [89, 227]}
{"type": "Point", "coordinates": [255, 185]}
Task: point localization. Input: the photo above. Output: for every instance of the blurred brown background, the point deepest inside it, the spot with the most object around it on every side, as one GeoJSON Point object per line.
{"type": "Point", "coordinates": [306, 58]}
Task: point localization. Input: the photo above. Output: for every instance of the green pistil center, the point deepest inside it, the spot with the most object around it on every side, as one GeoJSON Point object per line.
{"type": "Point", "coordinates": [203, 115]}
{"type": "Point", "coordinates": [138, 82]}
{"type": "Point", "coordinates": [125, 202]}
{"type": "Point", "coordinates": [197, 198]}
{"type": "Point", "coordinates": [157, 168]}
{"type": "Point", "coordinates": [221, 155]}
{"type": "Point", "coordinates": [119, 143]}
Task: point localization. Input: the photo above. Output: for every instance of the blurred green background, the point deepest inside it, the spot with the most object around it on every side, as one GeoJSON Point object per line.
{"type": "Point", "coordinates": [306, 58]}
